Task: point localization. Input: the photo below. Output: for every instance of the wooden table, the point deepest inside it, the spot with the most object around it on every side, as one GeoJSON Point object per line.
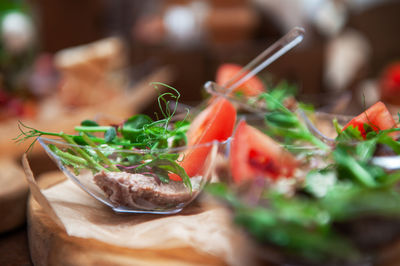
{"type": "Point", "coordinates": [14, 248]}
{"type": "Point", "coordinates": [50, 244]}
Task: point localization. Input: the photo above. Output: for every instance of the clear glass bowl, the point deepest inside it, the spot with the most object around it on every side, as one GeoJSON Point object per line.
{"type": "Point", "coordinates": [242, 101]}
{"type": "Point", "coordinates": [130, 181]}
{"type": "Point", "coordinates": [255, 205]}
{"type": "Point", "coordinates": [321, 124]}
{"type": "Point", "coordinates": [309, 154]}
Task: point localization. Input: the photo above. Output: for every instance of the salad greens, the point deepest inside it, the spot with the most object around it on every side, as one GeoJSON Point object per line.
{"type": "Point", "coordinates": [284, 123]}
{"type": "Point", "coordinates": [347, 186]}
{"type": "Point", "coordinates": [103, 148]}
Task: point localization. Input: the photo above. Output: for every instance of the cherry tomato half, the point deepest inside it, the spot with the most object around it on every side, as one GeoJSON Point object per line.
{"type": "Point", "coordinates": [255, 154]}
{"type": "Point", "coordinates": [216, 122]}
{"type": "Point", "coordinates": [377, 116]}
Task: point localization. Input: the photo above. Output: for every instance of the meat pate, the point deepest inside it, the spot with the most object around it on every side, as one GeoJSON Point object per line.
{"type": "Point", "coordinates": [137, 190]}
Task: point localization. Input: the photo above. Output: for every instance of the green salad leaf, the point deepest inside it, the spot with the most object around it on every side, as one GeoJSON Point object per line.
{"type": "Point", "coordinates": [90, 150]}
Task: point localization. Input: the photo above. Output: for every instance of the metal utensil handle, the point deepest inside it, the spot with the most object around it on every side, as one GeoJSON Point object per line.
{"type": "Point", "coordinates": [267, 57]}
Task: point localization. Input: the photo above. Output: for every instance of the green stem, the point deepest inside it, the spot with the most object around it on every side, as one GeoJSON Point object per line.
{"type": "Point", "coordinates": [99, 153]}
{"type": "Point", "coordinates": [68, 156]}
{"type": "Point", "coordinates": [82, 153]}
{"type": "Point", "coordinates": [319, 143]}
{"type": "Point", "coordinates": [103, 129]}
{"type": "Point", "coordinates": [50, 133]}
{"type": "Point", "coordinates": [61, 135]}
{"type": "Point", "coordinates": [363, 176]}
{"type": "Point", "coordinates": [183, 129]}
{"type": "Point", "coordinates": [313, 139]}
{"type": "Point", "coordinates": [92, 129]}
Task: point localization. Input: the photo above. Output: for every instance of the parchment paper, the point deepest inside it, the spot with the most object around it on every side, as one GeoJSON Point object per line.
{"type": "Point", "coordinates": [205, 226]}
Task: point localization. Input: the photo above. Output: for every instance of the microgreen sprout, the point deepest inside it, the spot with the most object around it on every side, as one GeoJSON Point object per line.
{"type": "Point", "coordinates": [89, 146]}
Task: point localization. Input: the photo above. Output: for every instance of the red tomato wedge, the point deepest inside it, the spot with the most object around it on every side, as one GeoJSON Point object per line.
{"type": "Point", "coordinates": [252, 87]}
{"type": "Point", "coordinates": [255, 154]}
{"type": "Point", "coordinates": [216, 122]}
{"type": "Point", "coordinates": [377, 116]}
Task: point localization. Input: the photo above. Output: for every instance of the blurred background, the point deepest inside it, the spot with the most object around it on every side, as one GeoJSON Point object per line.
{"type": "Point", "coordinates": [348, 46]}
{"type": "Point", "coordinates": [65, 61]}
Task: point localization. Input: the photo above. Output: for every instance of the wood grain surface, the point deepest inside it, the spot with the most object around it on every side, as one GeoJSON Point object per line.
{"type": "Point", "coordinates": [14, 248]}
{"type": "Point", "coordinates": [13, 195]}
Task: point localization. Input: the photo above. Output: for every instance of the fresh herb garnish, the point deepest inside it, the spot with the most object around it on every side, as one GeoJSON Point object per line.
{"type": "Point", "coordinates": [96, 146]}
{"type": "Point", "coordinates": [345, 185]}
{"type": "Point", "coordinates": [285, 123]}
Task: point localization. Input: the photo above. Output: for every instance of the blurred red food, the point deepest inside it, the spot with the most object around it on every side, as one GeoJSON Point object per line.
{"type": "Point", "coordinates": [251, 87]}
{"type": "Point", "coordinates": [390, 84]}
{"type": "Point", "coordinates": [377, 117]}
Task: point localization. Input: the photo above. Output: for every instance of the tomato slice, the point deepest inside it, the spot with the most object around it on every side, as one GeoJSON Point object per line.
{"type": "Point", "coordinates": [251, 87]}
{"type": "Point", "coordinates": [216, 122]}
{"type": "Point", "coordinates": [255, 154]}
{"type": "Point", "coordinates": [377, 116]}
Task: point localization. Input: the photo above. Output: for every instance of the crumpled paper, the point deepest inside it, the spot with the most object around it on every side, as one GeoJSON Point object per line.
{"type": "Point", "coordinates": [204, 226]}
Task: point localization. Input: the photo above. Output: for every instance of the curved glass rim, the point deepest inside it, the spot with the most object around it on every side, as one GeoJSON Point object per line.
{"type": "Point", "coordinates": [314, 128]}
{"type": "Point", "coordinates": [117, 208]}
{"type": "Point", "coordinates": [138, 151]}
{"type": "Point", "coordinates": [210, 87]}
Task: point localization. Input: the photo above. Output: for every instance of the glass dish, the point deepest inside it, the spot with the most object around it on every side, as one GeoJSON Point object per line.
{"type": "Point", "coordinates": [242, 101]}
{"type": "Point", "coordinates": [321, 124]}
{"type": "Point", "coordinates": [129, 181]}
{"type": "Point", "coordinates": [264, 208]}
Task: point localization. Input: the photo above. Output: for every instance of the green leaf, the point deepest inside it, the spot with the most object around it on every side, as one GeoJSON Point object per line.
{"type": "Point", "coordinates": [365, 149]}
{"type": "Point", "coordinates": [308, 108]}
{"type": "Point", "coordinates": [222, 191]}
{"type": "Point", "coordinates": [370, 131]}
{"type": "Point", "coordinates": [179, 139]}
{"type": "Point", "coordinates": [352, 167]}
{"type": "Point", "coordinates": [239, 94]}
{"type": "Point", "coordinates": [161, 174]}
{"type": "Point", "coordinates": [312, 243]}
{"type": "Point", "coordinates": [272, 103]}
{"type": "Point", "coordinates": [279, 119]}
{"type": "Point", "coordinates": [353, 201]}
{"type": "Point", "coordinates": [132, 159]}
{"type": "Point", "coordinates": [79, 140]}
{"type": "Point", "coordinates": [173, 167]}
{"type": "Point", "coordinates": [110, 134]}
{"type": "Point", "coordinates": [385, 139]}
{"type": "Point", "coordinates": [217, 189]}
{"type": "Point", "coordinates": [169, 156]}
{"type": "Point", "coordinates": [137, 121]}
{"type": "Point", "coordinates": [134, 127]}
{"type": "Point", "coordinates": [391, 179]}
{"type": "Point", "coordinates": [350, 133]}
{"type": "Point", "coordinates": [299, 210]}
{"type": "Point", "coordinates": [89, 123]}
{"type": "Point", "coordinates": [182, 125]}
{"type": "Point", "coordinates": [337, 126]}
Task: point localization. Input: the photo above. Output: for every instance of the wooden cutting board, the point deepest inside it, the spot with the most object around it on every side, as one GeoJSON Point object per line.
{"type": "Point", "coordinates": [50, 245]}
{"type": "Point", "coordinates": [13, 194]}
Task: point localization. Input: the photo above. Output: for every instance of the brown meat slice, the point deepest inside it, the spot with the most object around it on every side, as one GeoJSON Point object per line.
{"type": "Point", "coordinates": [140, 191]}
